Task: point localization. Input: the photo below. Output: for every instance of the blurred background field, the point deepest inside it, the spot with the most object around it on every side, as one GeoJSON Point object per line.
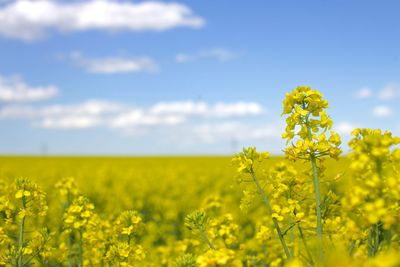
{"type": "Point", "coordinates": [162, 189]}
{"type": "Point", "coordinates": [120, 183]}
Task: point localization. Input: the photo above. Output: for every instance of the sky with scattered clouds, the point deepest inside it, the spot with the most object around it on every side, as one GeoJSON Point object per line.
{"type": "Point", "coordinates": [179, 77]}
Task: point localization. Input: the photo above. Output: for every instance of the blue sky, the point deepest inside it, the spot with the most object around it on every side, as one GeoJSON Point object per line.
{"type": "Point", "coordinates": [188, 77]}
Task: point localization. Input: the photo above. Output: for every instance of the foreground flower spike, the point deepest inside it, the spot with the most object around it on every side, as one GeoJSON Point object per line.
{"type": "Point", "coordinates": [246, 162]}
{"type": "Point", "coordinates": [22, 204]}
{"type": "Point", "coordinates": [77, 220]}
{"type": "Point", "coordinates": [123, 249]}
{"type": "Point", "coordinates": [373, 203]}
{"type": "Point", "coordinates": [187, 260]}
{"type": "Point", "coordinates": [308, 130]}
{"type": "Point", "coordinates": [197, 222]}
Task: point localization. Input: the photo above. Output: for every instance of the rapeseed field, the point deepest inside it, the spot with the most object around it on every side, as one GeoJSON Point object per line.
{"type": "Point", "coordinates": [313, 207]}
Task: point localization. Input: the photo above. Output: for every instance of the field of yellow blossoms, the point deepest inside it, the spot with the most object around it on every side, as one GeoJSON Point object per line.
{"type": "Point", "coordinates": [313, 207]}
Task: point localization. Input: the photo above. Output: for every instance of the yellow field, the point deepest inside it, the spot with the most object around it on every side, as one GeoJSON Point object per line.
{"type": "Point", "coordinates": [163, 190]}
{"type": "Point", "coordinates": [314, 207]}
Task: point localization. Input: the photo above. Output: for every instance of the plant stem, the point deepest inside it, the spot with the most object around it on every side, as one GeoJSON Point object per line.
{"type": "Point", "coordinates": [305, 244]}
{"type": "Point", "coordinates": [372, 241]}
{"type": "Point", "coordinates": [70, 236]}
{"type": "Point", "coordinates": [317, 191]}
{"type": "Point", "coordinates": [317, 195]}
{"type": "Point", "coordinates": [205, 238]}
{"type": "Point", "coordinates": [21, 235]}
{"type": "Point", "coordinates": [275, 221]}
{"type": "Point", "coordinates": [351, 247]}
{"type": "Point", "coordinates": [70, 254]}
{"type": "Point", "coordinates": [374, 237]}
{"type": "Point", "coordinates": [80, 249]}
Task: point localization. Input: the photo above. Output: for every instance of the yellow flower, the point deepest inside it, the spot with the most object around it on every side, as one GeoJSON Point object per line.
{"type": "Point", "coordinates": [21, 193]}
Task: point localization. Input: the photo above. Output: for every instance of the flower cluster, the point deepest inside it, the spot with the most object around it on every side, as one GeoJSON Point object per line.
{"type": "Point", "coordinates": [23, 203]}
{"type": "Point", "coordinates": [248, 158]}
{"type": "Point", "coordinates": [374, 201]}
{"type": "Point", "coordinates": [220, 257]}
{"type": "Point", "coordinates": [123, 250]}
{"type": "Point", "coordinates": [308, 124]}
{"type": "Point", "coordinates": [67, 188]}
{"type": "Point", "coordinates": [78, 216]}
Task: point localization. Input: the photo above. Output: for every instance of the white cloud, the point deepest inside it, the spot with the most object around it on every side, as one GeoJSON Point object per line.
{"type": "Point", "coordinates": [218, 54]}
{"type": "Point", "coordinates": [233, 130]}
{"type": "Point", "coordinates": [32, 19]}
{"type": "Point", "coordinates": [113, 115]}
{"type": "Point", "coordinates": [110, 65]}
{"type": "Point", "coordinates": [219, 110]}
{"type": "Point", "coordinates": [236, 109]}
{"type": "Point", "coordinates": [181, 107]}
{"type": "Point", "coordinates": [69, 122]}
{"type": "Point", "coordinates": [344, 128]}
{"type": "Point", "coordinates": [173, 113]}
{"type": "Point", "coordinates": [382, 111]}
{"type": "Point", "coordinates": [89, 107]}
{"type": "Point", "coordinates": [89, 114]}
{"type": "Point", "coordinates": [14, 89]}
{"type": "Point", "coordinates": [364, 93]}
{"type": "Point", "coordinates": [139, 118]}
{"type": "Point", "coordinates": [391, 90]}
{"type": "Point", "coordinates": [18, 112]}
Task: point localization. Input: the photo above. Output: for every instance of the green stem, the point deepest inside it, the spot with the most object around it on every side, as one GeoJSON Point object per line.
{"type": "Point", "coordinates": [70, 254]}
{"type": "Point", "coordinates": [70, 237]}
{"type": "Point", "coordinates": [205, 238]}
{"type": "Point", "coordinates": [80, 249]}
{"type": "Point", "coordinates": [275, 221]}
{"type": "Point", "coordinates": [374, 237]}
{"type": "Point", "coordinates": [377, 238]}
{"type": "Point", "coordinates": [351, 247]}
{"type": "Point", "coordinates": [317, 191]}
{"type": "Point", "coordinates": [371, 242]}
{"type": "Point", "coordinates": [305, 244]}
{"type": "Point", "coordinates": [21, 235]}
{"type": "Point", "coordinates": [292, 240]}
{"type": "Point", "coordinates": [317, 195]}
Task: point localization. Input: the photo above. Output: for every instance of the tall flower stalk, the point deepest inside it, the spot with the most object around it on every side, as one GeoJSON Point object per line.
{"type": "Point", "coordinates": [22, 229]}
{"type": "Point", "coordinates": [310, 138]}
{"type": "Point", "coordinates": [197, 222]}
{"type": "Point", "coordinates": [246, 161]}
{"type": "Point", "coordinates": [373, 202]}
{"type": "Point", "coordinates": [30, 202]}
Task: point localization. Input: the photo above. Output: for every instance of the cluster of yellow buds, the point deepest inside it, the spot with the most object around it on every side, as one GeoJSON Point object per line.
{"type": "Point", "coordinates": [196, 220]}
{"type": "Point", "coordinates": [288, 191]}
{"type": "Point", "coordinates": [39, 246]}
{"type": "Point", "coordinates": [374, 201]}
{"type": "Point", "coordinates": [21, 201]}
{"type": "Point", "coordinates": [221, 237]}
{"type": "Point", "coordinates": [123, 254]}
{"type": "Point", "coordinates": [67, 188]}
{"type": "Point", "coordinates": [32, 199]}
{"type": "Point", "coordinates": [307, 125]}
{"type": "Point", "coordinates": [375, 181]}
{"type": "Point", "coordinates": [129, 223]}
{"type": "Point", "coordinates": [225, 229]}
{"type": "Point", "coordinates": [220, 257]}
{"type": "Point", "coordinates": [246, 160]}
{"type": "Point", "coordinates": [187, 260]}
{"type": "Point", "coordinates": [122, 250]}
{"type": "Point", "coordinates": [372, 148]}
{"type": "Point", "coordinates": [5, 243]}
{"type": "Point", "coordinates": [78, 216]}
